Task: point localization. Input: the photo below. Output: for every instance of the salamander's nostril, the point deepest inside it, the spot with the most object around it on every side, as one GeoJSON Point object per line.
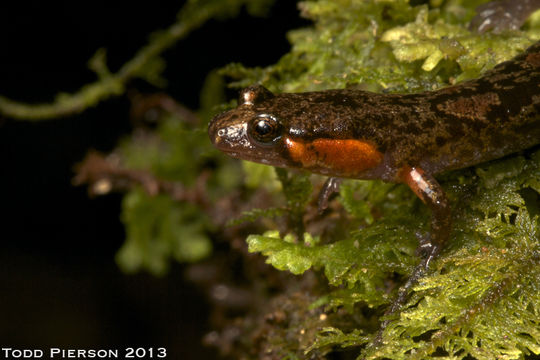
{"type": "Point", "coordinates": [214, 132]}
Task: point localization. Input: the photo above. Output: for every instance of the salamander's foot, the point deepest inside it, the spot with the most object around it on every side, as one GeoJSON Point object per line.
{"type": "Point", "coordinates": [426, 248]}
{"type": "Point", "coordinates": [424, 245]}
{"type": "Point", "coordinates": [402, 296]}
{"type": "Point", "coordinates": [428, 251]}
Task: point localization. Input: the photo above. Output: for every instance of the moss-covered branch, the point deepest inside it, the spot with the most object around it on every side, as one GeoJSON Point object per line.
{"type": "Point", "coordinates": [145, 64]}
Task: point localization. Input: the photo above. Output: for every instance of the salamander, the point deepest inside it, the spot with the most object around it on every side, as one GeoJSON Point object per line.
{"type": "Point", "coordinates": [401, 138]}
{"type": "Point", "coordinates": [405, 138]}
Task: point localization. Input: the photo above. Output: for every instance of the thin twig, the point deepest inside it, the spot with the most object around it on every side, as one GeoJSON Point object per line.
{"type": "Point", "coordinates": [105, 175]}
{"type": "Point", "coordinates": [109, 84]}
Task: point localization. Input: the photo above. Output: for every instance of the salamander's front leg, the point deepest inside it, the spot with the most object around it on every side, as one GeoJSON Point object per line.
{"type": "Point", "coordinates": [430, 192]}
{"type": "Point", "coordinates": [330, 187]}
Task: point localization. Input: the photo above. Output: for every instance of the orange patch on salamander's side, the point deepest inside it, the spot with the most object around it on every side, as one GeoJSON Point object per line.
{"type": "Point", "coordinates": [339, 157]}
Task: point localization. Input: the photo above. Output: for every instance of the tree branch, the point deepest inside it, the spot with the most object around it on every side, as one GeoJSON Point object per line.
{"type": "Point", "coordinates": [191, 16]}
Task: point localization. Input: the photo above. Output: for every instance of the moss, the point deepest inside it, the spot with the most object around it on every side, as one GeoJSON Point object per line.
{"type": "Point", "coordinates": [157, 229]}
{"type": "Point", "coordinates": [481, 300]}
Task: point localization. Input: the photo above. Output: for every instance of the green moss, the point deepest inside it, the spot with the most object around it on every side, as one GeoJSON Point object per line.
{"type": "Point", "coordinates": [384, 45]}
{"type": "Point", "coordinates": [159, 228]}
{"type": "Point", "coordinates": [481, 300]}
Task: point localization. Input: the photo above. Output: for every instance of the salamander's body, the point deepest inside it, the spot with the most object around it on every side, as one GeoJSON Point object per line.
{"type": "Point", "coordinates": [399, 138]}
{"type": "Point", "coordinates": [394, 137]}
{"type": "Point", "coordinates": [358, 134]}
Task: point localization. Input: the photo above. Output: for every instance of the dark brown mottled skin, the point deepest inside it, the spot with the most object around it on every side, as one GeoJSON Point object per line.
{"type": "Point", "coordinates": [451, 128]}
{"type": "Point", "coordinates": [405, 138]}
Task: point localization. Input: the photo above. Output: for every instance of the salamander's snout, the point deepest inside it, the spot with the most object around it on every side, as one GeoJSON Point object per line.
{"type": "Point", "coordinates": [226, 133]}
{"type": "Point", "coordinates": [213, 129]}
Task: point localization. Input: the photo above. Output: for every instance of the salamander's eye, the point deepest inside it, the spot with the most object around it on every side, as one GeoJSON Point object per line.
{"type": "Point", "coordinates": [264, 129]}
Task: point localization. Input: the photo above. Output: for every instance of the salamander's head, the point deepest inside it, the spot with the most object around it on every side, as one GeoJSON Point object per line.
{"type": "Point", "coordinates": [304, 130]}
{"type": "Point", "coordinates": [249, 132]}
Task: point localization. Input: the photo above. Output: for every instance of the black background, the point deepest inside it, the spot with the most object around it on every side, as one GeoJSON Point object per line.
{"type": "Point", "coordinates": [59, 284]}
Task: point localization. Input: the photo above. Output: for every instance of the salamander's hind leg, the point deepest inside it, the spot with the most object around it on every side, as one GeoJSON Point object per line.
{"type": "Point", "coordinates": [430, 192]}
